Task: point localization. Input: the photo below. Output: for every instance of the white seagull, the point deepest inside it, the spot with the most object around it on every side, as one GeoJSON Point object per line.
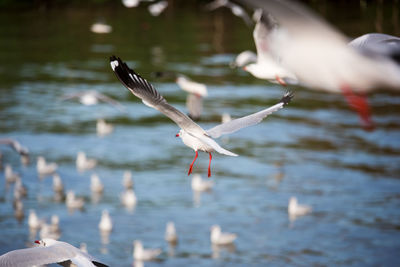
{"type": "Point", "coordinates": [96, 186]}
{"type": "Point", "coordinates": [191, 134]}
{"type": "Point", "coordinates": [244, 58]}
{"type": "Point", "coordinates": [105, 224]}
{"type": "Point", "coordinates": [45, 168]}
{"type": "Point", "coordinates": [219, 238]}
{"type": "Point", "coordinates": [157, 8]}
{"type": "Point", "coordinates": [103, 128]}
{"type": "Point", "coordinates": [58, 186]}
{"type": "Point", "coordinates": [127, 181]}
{"type": "Point", "coordinates": [49, 251]}
{"type": "Point", "coordinates": [295, 209]}
{"type": "Point", "coordinates": [128, 198]}
{"type": "Point", "coordinates": [91, 97]}
{"type": "Point", "coordinates": [141, 254]}
{"type": "Point", "coordinates": [201, 185]}
{"type": "Point", "coordinates": [73, 202]}
{"type": "Point", "coordinates": [170, 233]}
{"type": "Point", "coordinates": [83, 163]}
{"type": "Point", "coordinates": [321, 58]}
{"type": "Point", "coordinates": [33, 220]}
{"type": "Point", "coordinates": [267, 67]}
{"type": "Point", "coordinates": [9, 174]}
{"type": "Point", "coordinates": [196, 91]}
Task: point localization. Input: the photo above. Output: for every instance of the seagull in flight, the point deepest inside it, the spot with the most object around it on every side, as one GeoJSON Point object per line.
{"type": "Point", "coordinates": [49, 251]}
{"type": "Point", "coordinates": [191, 133]}
{"type": "Point", "coordinates": [91, 97]}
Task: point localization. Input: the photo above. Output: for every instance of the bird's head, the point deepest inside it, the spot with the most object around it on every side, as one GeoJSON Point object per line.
{"type": "Point", "coordinates": [179, 134]}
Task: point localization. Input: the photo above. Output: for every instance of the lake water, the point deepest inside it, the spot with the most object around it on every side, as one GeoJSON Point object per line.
{"type": "Point", "coordinates": [313, 149]}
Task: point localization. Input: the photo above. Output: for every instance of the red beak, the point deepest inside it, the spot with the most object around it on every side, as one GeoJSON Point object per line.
{"type": "Point", "coordinates": [177, 135]}
{"type": "Point", "coordinates": [37, 242]}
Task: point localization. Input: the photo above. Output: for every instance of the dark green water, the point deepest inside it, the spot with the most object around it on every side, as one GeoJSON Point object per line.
{"type": "Point", "coordinates": [314, 149]}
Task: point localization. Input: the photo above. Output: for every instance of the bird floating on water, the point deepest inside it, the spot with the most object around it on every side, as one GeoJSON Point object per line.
{"type": "Point", "coordinates": [141, 254]}
{"type": "Point", "coordinates": [220, 238]}
{"type": "Point", "coordinates": [191, 133]}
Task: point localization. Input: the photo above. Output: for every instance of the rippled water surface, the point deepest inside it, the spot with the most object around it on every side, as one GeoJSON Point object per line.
{"type": "Point", "coordinates": [313, 149]}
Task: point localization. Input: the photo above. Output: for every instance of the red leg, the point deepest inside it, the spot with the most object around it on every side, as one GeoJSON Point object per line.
{"type": "Point", "coordinates": [359, 103]}
{"type": "Point", "coordinates": [191, 165]}
{"type": "Point", "coordinates": [280, 81]}
{"type": "Point", "coordinates": [209, 166]}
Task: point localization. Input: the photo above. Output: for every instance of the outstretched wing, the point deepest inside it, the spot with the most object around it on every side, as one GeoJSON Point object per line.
{"type": "Point", "coordinates": [237, 124]}
{"type": "Point", "coordinates": [35, 256]}
{"type": "Point", "coordinates": [150, 96]}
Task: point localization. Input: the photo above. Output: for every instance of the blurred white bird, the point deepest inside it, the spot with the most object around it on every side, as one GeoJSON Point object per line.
{"type": "Point", "coordinates": [170, 233]}
{"type": "Point", "coordinates": [200, 185]}
{"type": "Point", "coordinates": [128, 198]}
{"type": "Point", "coordinates": [103, 128]}
{"type": "Point", "coordinates": [49, 251]}
{"type": "Point", "coordinates": [33, 220]}
{"type": "Point", "coordinates": [73, 202]}
{"type": "Point", "coordinates": [244, 58]}
{"type": "Point", "coordinates": [9, 174]}
{"type": "Point", "coordinates": [295, 209]}
{"type": "Point", "coordinates": [100, 27]}
{"type": "Point", "coordinates": [58, 186]}
{"type": "Point", "coordinates": [141, 254]}
{"type": "Point", "coordinates": [20, 149]}
{"type": "Point", "coordinates": [19, 210]}
{"type": "Point", "coordinates": [20, 190]}
{"type": "Point", "coordinates": [220, 238]}
{"type": "Point", "coordinates": [235, 9]}
{"type": "Point", "coordinates": [157, 8]}
{"type": "Point", "coordinates": [127, 180]}
{"type": "Point", "coordinates": [44, 168]}
{"type": "Point", "coordinates": [96, 186]}
{"type": "Point", "coordinates": [46, 231]}
{"type": "Point", "coordinates": [226, 117]}
{"type": "Point", "coordinates": [196, 91]}
{"type": "Point", "coordinates": [321, 58]}
{"type": "Point", "coordinates": [91, 97]}
{"type": "Point", "coordinates": [83, 163]}
{"type": "Point", "coordinates": [105, 224]}
{"type": "Point", "coordinates": [130, 3]}
{"type": "Point", "coordinates": [267, 67]}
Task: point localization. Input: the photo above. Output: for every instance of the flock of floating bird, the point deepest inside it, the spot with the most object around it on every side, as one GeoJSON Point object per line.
{"type": "Point", "coordinates": [294, 47]}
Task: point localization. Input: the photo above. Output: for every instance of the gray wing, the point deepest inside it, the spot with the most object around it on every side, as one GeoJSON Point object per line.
{"type": "Point", "coordinates": [194, 104]}
{"type": "Point", "coordinates": [35, 256]}
{"type": "Point", "coordinates": [378, 44]}
{"type": "Point", "coordinates": [15, 145]}
{"type": "Point", "coordinates": [237, 124]}
{"type": "Point", "coordinates": [150, 96]}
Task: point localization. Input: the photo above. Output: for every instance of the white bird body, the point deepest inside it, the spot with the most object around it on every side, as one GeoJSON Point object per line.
{"type": "Point", "coordinates": [130, 3]}
{"type": "Point", "coordinates": [295, 209]}
{"type": "Point", "coordinates": [191, 87]}
{"type": "Point", "coordinates": [49, 251]}
{"type": "Point", "coordinates": [220, 238]}
{"type": "Point", "coordinates": [100, 28]}
{"type": "Point", "coordinates": [201, 185]}
{"type": "Point", "coordinates": [141, 254]}
{"type": "Point", "coordinates": [170, 233]}
{"type": "Point", "coordinates": [105, 224]}
{"type": "Point", "coordinates": [127, 181]}
{"type": "Point", "coordinates": [58, 186]}
{"type": "Point", "coordinates": [128, 198]}
{"type": "Point", "coordinates": [33, 220]}
{"type": "Point", "coordinates": [9, 174]}
{"type": "Point", "coordinates": [96, 186]}
{"type": "Point", "coordinates": [244, 58]}
{"type": "Point", "coordinates": [157, 8]}
{"type": "Point", "coordinates": [103, 128]}
{"type": "Point", "coordinates": [73, 202]}
{"type": "Point", "coordinates": [191, 134]}
{"type": "Point", "coordinates": [44, 168]}
{"type": "Point", "coordinates": [83, 163]}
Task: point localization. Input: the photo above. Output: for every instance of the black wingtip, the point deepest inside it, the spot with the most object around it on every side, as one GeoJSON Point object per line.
{"type": "Point", "coordinates": [287, 97]}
